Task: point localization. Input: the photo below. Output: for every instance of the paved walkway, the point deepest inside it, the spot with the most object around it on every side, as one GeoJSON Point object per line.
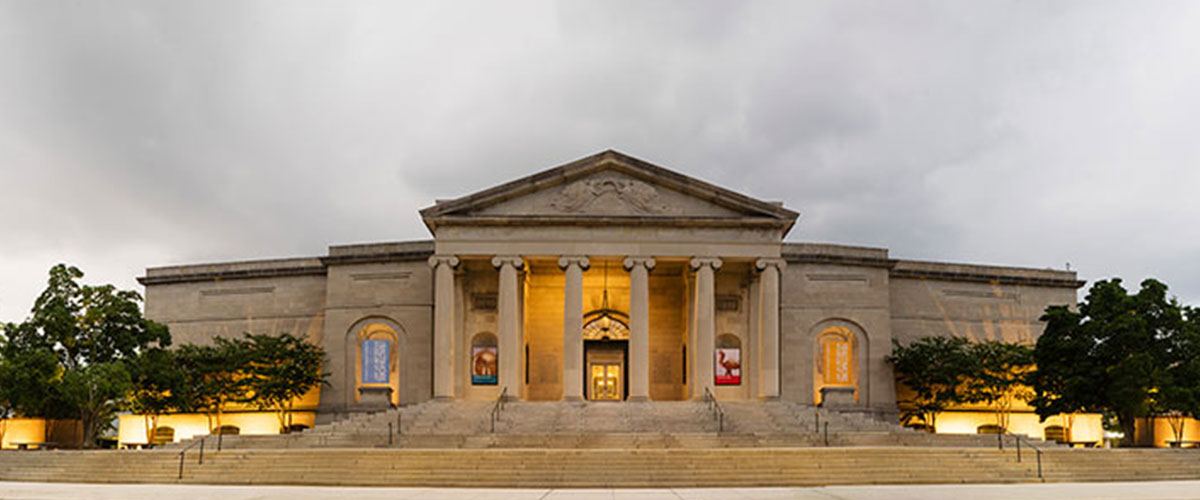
{"type": "Point", "coordinates": [1165, 490]}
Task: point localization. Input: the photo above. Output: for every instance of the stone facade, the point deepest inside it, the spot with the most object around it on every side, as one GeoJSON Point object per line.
{"type": "Point", "coordinates": [607, 277]}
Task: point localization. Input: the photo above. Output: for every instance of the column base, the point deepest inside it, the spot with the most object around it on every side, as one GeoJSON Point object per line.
{"type": "Point", "coordinates": [638, 399]}
{"type": "Point", "coordinates": [443, 399]}
{"type": "Point", "coordinates": [573, 399]}
{"type": "Point", "coordinates": [766, 399]}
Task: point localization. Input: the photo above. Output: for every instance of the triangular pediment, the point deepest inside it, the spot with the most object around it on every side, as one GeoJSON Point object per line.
{"type": "Point", "coordinates": [607, 187]}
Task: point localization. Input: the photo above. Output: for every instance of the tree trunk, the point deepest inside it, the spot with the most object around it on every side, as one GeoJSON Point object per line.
{"type": "Point", "coordinates": [1129, 427]}
{"type": "Point", "coordinates": [48, 431]}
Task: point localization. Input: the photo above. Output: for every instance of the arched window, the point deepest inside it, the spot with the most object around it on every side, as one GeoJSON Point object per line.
{"type": "Point", "coordinates": [485, 360]}
{"type": "Point", "coordinates": [728, 359]}
{"type": "Point", "coordinates": [228, 430]}
{"type": "Point", "coordinates": [163, 435]}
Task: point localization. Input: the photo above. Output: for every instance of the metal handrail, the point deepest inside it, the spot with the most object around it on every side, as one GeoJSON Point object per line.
{"type": "Point", "coordinates": [715, 408]}
{"type": "Point", "coordinates": [1017, 438]}
{"type": "Point", "coordinates": [498, 406]}
{"type": "Point", "coordinates": [185, 449]}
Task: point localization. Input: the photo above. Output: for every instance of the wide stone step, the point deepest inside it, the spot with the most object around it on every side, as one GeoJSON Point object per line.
{"type": "Point", "coordinates": [752, 466]}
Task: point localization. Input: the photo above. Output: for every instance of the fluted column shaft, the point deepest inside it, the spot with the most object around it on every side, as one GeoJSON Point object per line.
{"type": "Point", "coordinates": [443, 325]}
{"type": "Point", "coordinates": [572, 381]}
{"type": "Point", "coordinates": [706, 324]}
{"type": "Point", "coordinates": [509, 325]}
{"type": "Point", "coordinates": [768, 323]}
{"type": "Point", "coordinates": [639, 327]}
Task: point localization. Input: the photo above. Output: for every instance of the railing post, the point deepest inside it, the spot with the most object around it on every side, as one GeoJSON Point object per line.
{"type": "Point", "coordinates": [827, 434]}
{"type": "Point", "coordinates": [389, 434]}
{"type": "Point", "coordinates": [201, 461]}
{"type": "Point", "coordinates": [220, 440]}
{"type": "Point", "coordinates": [1039, 460]}
{"type": "Point", "coordinates": [399, 422]}
{"type": "Point", "coordinates": [817, 424]}
{"type": "Point", "coordinates": [181, 465]}
{"type": "Point", "coordinates": [1018, 450]}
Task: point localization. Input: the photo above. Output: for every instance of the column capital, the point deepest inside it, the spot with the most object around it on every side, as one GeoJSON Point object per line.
{"type": "Point", "coordinates": [631, 261]}
{"type": "Point", "coordinates": [447, 260]}
{"type": "Point", "coordinates": [515, 261]}
{"type": "Point", "coordinates": [699, 262]}
{"type": "Point", "coordinates": [763, 263]}
{"type": "Point", "coordinates": [574, 260]}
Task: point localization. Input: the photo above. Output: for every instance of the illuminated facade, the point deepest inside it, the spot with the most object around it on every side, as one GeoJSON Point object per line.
{"type": "Point", "coordinates": [605, 279]}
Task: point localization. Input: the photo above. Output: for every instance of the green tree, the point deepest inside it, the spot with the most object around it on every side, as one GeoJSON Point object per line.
{"type": "Point", "coordinates": [935, 369]}
{"type": "Point", "coordinates": [96, 392]}
{"type": "Point", "coordinates": [75, 333]}
{"type": "Point", "coordinates": [282, 368]}
{"type": "Point", "coordinates": [1177, 397]}
{"type": "Point", "coordinates": [87, 324]}
{"type": "Point", "coordinates": [998, 377]}
{"type": "Point", "coordinates": [1111, 356]}
{"type": "Point", "coordinates": [214, 376]}
{"type": "Point", "coordinates": [156, 387]}
{"type": "Point", "coordinates": [30, 384]}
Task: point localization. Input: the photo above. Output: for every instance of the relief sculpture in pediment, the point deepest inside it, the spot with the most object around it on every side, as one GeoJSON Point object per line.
{"type": "Point", "coordinates": [636, 196]}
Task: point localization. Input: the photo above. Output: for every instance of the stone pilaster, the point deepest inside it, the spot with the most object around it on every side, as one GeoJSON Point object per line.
{"type": "Point", "coordinates": [572, 382]}
{"type": "Point", "coordinates": [768, 323]}
{"type": "Point", "coordinates": [510, 324]}
{"type": "Point", "coordinates": [706, 324]}
{"type": "Point", "coordinates": [444, 348]}
{"type": "Point", "coordinates": [639, 327]}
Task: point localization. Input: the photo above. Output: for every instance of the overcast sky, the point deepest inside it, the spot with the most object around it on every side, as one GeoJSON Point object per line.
{"type": "Point", "coordinates": [1030, 133]}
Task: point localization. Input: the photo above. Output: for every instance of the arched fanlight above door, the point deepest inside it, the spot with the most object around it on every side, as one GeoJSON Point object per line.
{"type": "Point", "coordinates": [605, 324]}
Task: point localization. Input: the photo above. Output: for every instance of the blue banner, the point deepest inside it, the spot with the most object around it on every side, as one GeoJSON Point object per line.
{"type": "Point", "coordinates": [375, 356]}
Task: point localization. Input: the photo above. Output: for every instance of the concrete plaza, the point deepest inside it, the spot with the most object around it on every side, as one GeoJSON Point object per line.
{"type": "Point", "coordinates": [1161, 490]}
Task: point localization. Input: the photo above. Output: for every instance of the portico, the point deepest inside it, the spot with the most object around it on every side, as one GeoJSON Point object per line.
{"type": "Point", "coordinates": [613, 236]}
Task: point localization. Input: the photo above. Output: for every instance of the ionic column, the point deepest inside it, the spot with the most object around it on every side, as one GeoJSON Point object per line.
{"type": "Point", "coordinates": [706, 324]}
{"type": "Point", "coordinates": [768, 323]}
{"type": "Point", "coordinates": [443, 325]}
{"type": "Point", "coordinates": [639, 327]}
{"type": "Point", "coordinates": [572, 381]}
{"type": "Point", "coordinates": [509, 324]}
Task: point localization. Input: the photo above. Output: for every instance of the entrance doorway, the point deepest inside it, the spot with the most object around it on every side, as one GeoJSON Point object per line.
{"type": "Point", "coordinates": [605, 375]}
{"type": "Point", "coordinates": [605, 355]}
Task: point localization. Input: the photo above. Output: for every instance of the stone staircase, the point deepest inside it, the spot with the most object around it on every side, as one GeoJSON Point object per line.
{"type": "Point", "coordinates": [675, 424]}
{"type": "Point", "coordinates": [661, 444]}
{"type": "Point", "coordinates": [541, 468]}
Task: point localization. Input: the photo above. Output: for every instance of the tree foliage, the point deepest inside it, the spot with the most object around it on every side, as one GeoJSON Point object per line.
{"type": "Point", "coordinates": [96, 392]}
{"type": "Point", "coordinates": [68, 358]}
{"type": "Point", "coordinates": [935, 369]}
{"type": "Point", "coordinates": [282, 368]}
{"type": "Point", "coordinates": [213, 378]}
{"type": "Point", "coordinates": [998, 377]}
{"type": "Point", "coordinates": [156, 387]}
{"type": "Point", "coordinates": [943, 372]}
{"type": "Point", "coordinates": [1127, 355]}
{"type": "Point", "coordinates": [265, 371]}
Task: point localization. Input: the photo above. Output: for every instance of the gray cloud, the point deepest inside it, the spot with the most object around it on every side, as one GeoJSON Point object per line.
{"type": "Point", "coordinates": [142, 133]}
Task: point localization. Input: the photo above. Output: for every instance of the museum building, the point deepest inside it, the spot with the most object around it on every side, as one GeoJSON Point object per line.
{"type": "Point", "coordinates": [606, 279]}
